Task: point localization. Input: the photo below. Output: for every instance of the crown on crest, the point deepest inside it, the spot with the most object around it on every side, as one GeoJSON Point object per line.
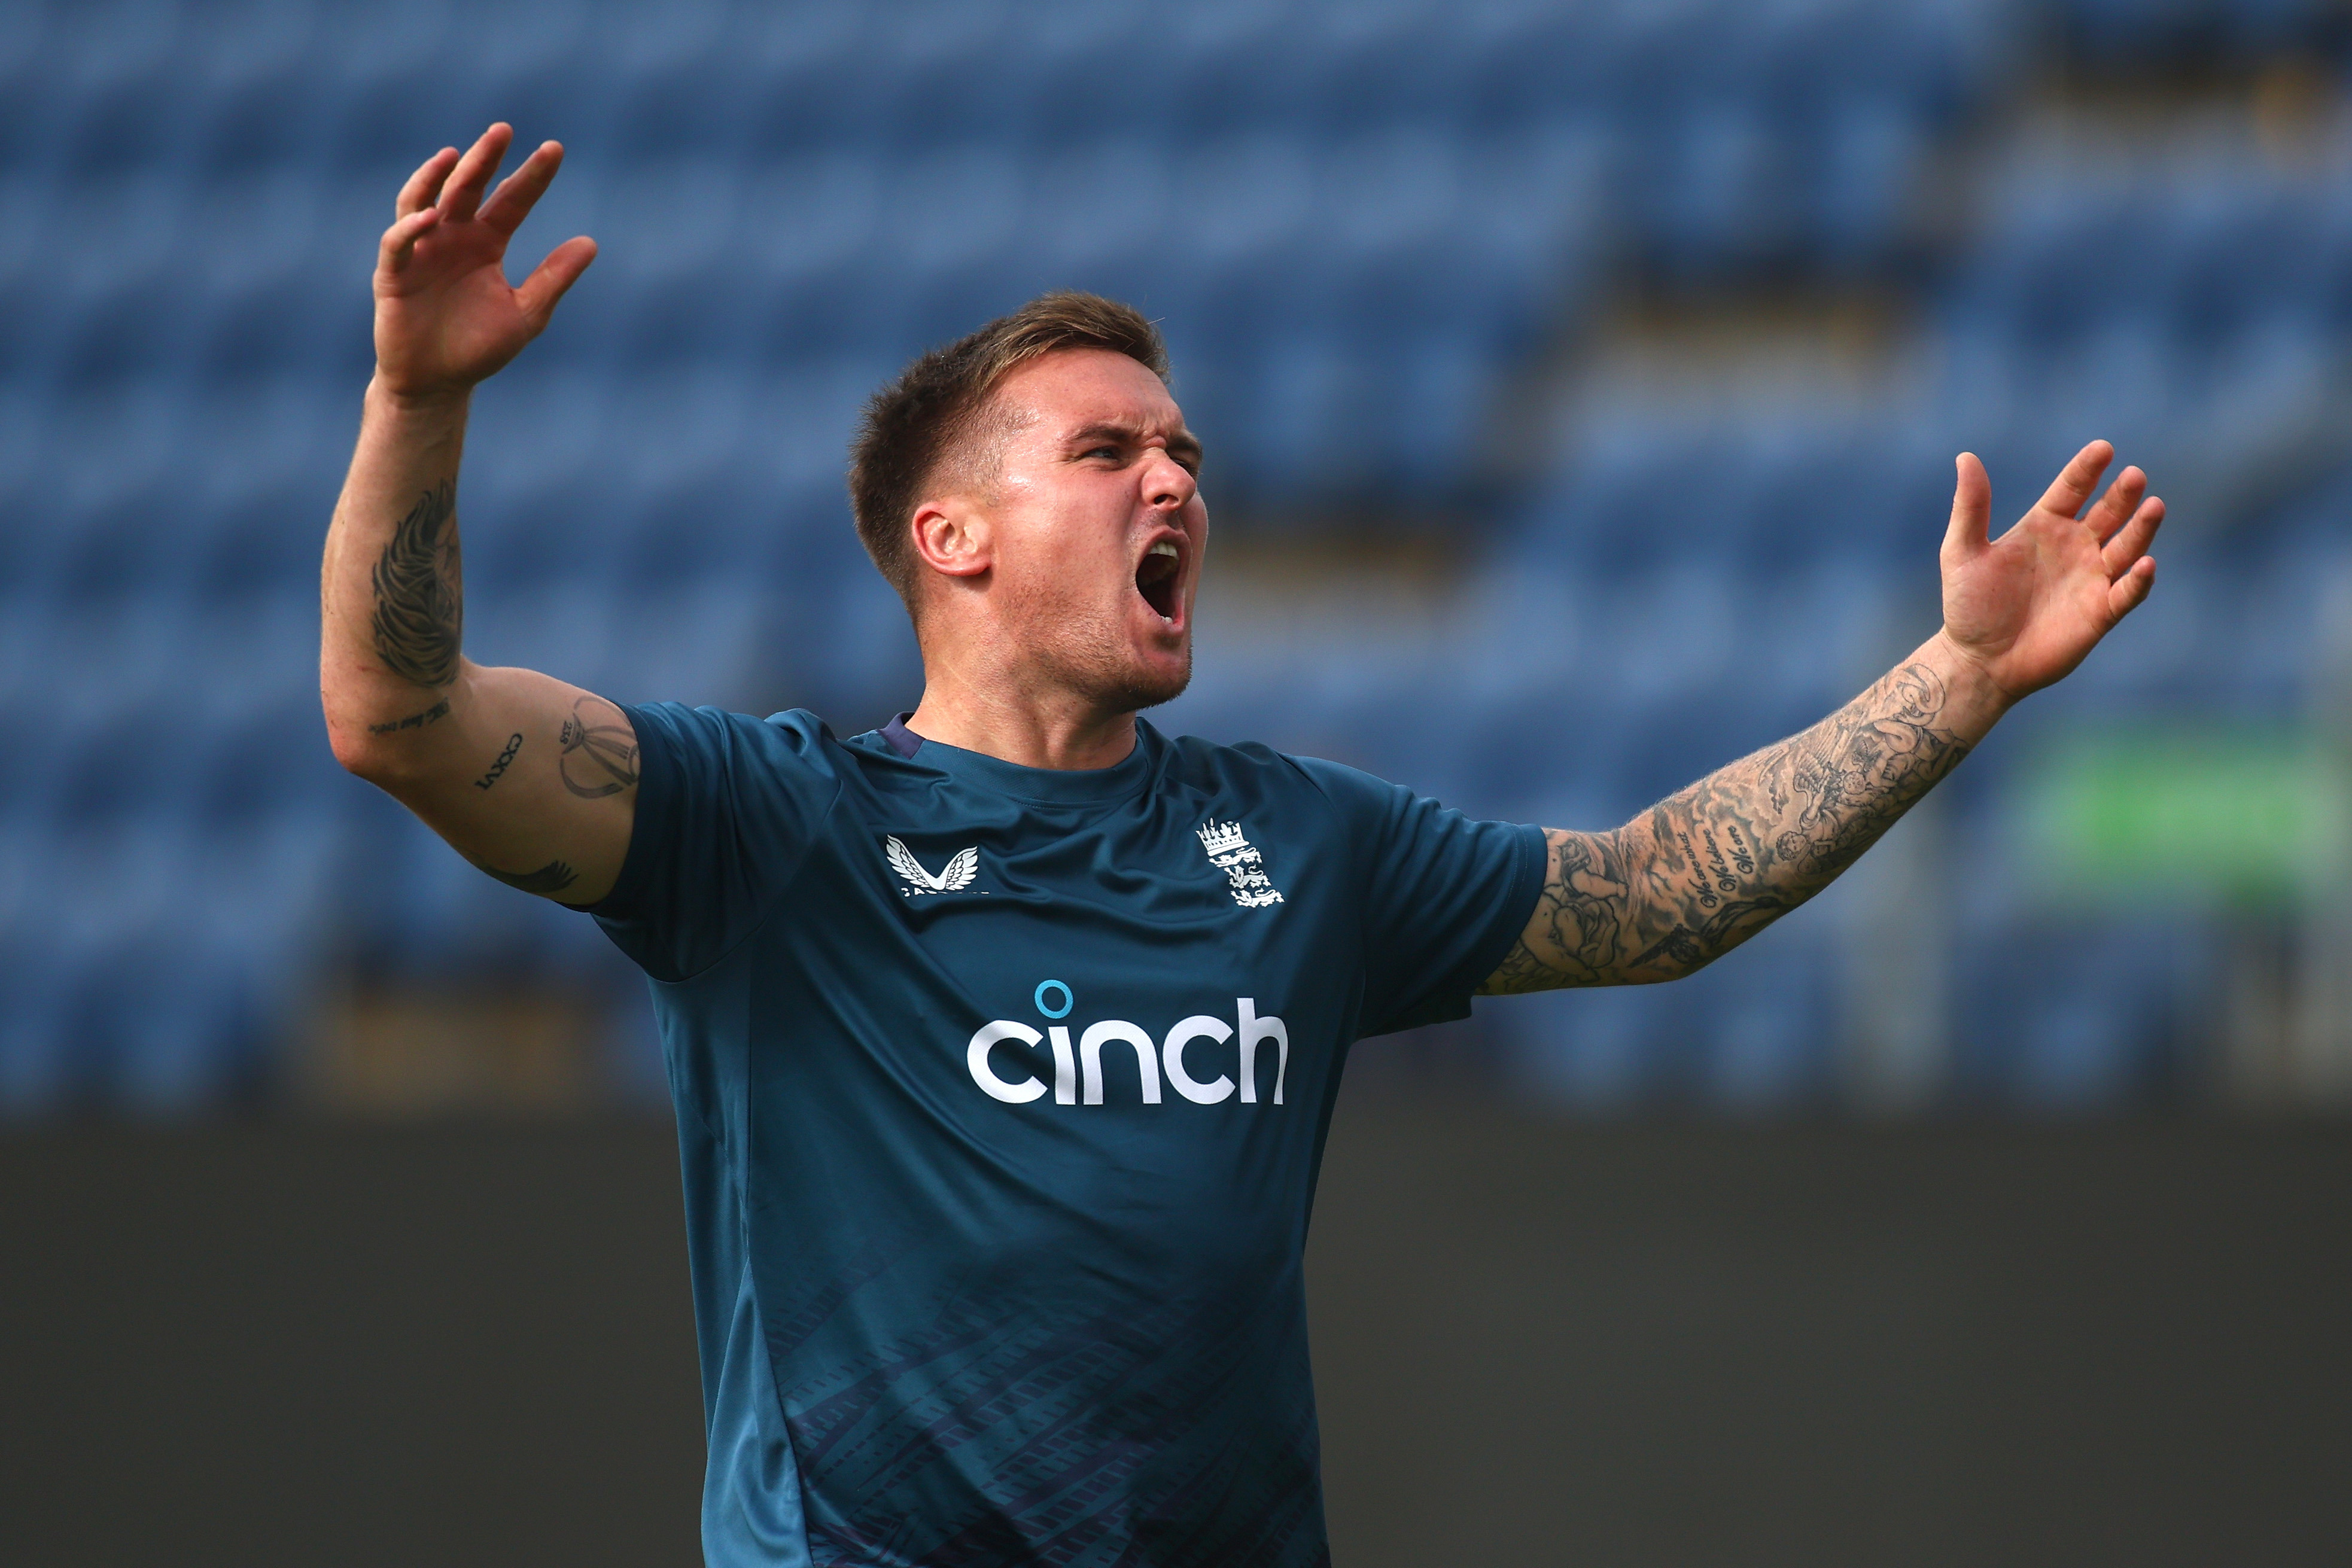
{"type": "Point", "coordinates": [1221, 838]}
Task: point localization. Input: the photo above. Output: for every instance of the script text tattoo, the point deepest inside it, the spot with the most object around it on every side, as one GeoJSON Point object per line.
{"type": "Point", "coordinates": [1705, 869]}
{"type": "Point", "coordinates": [418, 621]}
{"type": "Point", "coordinates": [439, 710]}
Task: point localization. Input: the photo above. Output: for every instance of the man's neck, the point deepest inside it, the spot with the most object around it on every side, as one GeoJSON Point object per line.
{"type": "Point", "coordinates": [1055, 731]}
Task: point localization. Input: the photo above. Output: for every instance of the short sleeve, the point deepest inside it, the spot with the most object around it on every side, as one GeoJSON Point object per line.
{"type": "Point", "coordinates": [727, 807]}
{"type": "Point", "coordinates": [1445, 896]}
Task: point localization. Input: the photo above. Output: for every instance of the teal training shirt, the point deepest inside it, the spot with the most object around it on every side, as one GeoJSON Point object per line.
{"type": "Point", "coordinates": [1001, 1092]}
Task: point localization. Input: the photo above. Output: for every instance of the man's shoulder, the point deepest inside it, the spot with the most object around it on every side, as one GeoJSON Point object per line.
{"type": "Point", "coordinates": [711, 752]}
{"type": "Point", "coordinates": [797, 740]}
{"type": "Point", "coordinates": [1209, 763]}
{"type": "Point", "coordinates": [1255, 768]}
{"type": "Point", "coordinates": [796, 732]}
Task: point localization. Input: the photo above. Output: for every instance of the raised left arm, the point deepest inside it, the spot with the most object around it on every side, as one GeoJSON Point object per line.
{"type": "Point", "coordinates": [1708, 867]}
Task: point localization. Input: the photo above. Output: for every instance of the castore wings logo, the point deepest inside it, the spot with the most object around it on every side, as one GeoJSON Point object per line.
{"type": "Point", "coordinates": [953, 878]}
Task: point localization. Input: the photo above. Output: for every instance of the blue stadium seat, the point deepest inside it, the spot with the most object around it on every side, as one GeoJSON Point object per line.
{"type": "Point", "coordinates": [1720, 189]}
{"type": "Point", "coordinates": [2128, 32]}
{"type": "Point", "coordinates": [42, 1060]}
{"type": "Point", "coordinates": [113, 336]}
{"type": "Point", "coordinates": [684, 88]}
{"type": "Point", "coordinates": [35, 97]}
{"type": "Point", "coordinates": [1866, 163]}
{"type": "Point", "coordinates": [1773, 1041]}
{"type": "Point", "coordinates": [1357, 224]}
{"type": "Point", "coordinates": [137, 121]}
{"type": "Point", "coordinates": [178, 1031]}
{"type": "Point", "coordinates": [381, 127]}
{"type": "Point", "coordinates": [1605, 1051]}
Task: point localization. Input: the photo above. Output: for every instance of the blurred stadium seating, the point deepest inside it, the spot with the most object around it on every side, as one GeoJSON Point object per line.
{"type": "Point", "coordinates": [1371, 230]}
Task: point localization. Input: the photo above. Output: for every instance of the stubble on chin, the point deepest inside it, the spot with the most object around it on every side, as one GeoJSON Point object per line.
{"type": "Point", "coordinates": [1089, 652]}
{"type": "Point", "coordinates": [1118, 684]}
{"type": "Point", "coordinates": [1150, 690]}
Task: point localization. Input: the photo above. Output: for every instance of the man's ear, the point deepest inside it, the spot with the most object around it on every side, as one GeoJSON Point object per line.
{"type": "Point", "coordinates": [953, 537]}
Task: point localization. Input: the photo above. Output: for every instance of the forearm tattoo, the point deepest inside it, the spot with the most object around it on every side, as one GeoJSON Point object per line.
{"type": "Point", "coordinates": [419, 610]}
{"type": "Point", "coordinates": [1704, 870]}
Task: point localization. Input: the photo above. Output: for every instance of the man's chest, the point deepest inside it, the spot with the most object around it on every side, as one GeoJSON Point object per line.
{"type": "Point", "coordinates": [1163, 964]}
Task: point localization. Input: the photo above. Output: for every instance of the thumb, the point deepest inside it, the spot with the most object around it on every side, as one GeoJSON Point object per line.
{"type": "Point", "coordinates": [1971, 510]}
{"type": "Point", "coordinates": [551, 278]}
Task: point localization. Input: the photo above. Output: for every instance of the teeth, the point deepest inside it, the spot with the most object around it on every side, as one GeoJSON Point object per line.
{"type": "Point", "coordinates": [1165, 547]}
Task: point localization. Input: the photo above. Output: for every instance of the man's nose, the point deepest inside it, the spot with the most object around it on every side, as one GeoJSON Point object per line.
{"type": "Point", "coordinates": [1165, 482]}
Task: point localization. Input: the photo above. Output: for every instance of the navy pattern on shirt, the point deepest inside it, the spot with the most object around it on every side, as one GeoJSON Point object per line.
{"type": "Point", "coordinates": [1000, 1093]}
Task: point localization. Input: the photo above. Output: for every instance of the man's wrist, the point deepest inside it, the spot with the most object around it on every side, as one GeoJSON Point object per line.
{"type": "Point", "coordinates": [1973, 701]}
{"type": "Point", "coordinates": [442, 403]}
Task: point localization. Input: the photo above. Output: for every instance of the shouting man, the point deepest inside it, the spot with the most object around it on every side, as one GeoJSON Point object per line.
{"type": "Point", "coordinates": [1004, 1038]}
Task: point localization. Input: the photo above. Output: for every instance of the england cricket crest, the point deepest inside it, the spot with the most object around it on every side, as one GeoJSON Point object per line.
{"type": "Point", "coordinates": [1244, 867]}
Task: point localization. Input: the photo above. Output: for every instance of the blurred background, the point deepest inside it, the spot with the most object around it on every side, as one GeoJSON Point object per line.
{"type": "Point", "coordinates": [1581, 381]}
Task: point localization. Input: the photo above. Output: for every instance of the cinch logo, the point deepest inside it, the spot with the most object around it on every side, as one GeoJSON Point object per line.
{"type": "Point", "coordinates": [1079, 1071]}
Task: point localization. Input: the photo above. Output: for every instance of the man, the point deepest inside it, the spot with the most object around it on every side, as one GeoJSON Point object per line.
{"type": "Point", "coordinates": [1004, 1038]}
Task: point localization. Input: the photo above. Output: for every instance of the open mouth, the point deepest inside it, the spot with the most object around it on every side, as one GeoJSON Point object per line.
{"type": "Point", "coordinates": [1155, 578]}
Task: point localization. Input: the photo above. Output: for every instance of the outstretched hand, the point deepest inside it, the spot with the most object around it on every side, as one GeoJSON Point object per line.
{"type": "Point", "coordinates": [445, 315]}
{"type": "Point", "coordinates": [2025, 608]}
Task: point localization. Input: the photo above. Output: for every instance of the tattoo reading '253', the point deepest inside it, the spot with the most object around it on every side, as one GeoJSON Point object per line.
{"type": "Point", "coordinates": [1704, 870]}
{"type": "Point", "coordinates": [418, 621]}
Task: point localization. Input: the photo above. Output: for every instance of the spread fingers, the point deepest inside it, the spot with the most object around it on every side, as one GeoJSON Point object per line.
{"type": "Point", "coordinates": [462, 194]}
{"type": "Point", "coordinates": [521, 191]}
{"type": "Point", "coordinates": [2115, 508]}
{"type": "Point", "coordinates": [2130, 592]}
{"type": "Point", "coordinates": [2078, 479]}
{"type": "Point", "coordinates": [424, 187]}
{"type": "Point", "coordinates": [2131, 541]}
{"type": "Point", "coordinates": [400, 240]}
{"type": "Point", "coordinates": [551, 279]}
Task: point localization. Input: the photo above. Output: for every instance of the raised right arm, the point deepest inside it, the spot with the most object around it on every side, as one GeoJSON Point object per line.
{"type": "Point", "coordinates": [532, 779]}
{"type": "Point", "coordinates": [1709, 866]}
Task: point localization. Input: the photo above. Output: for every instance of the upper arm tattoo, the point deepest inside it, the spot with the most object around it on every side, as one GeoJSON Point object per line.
{"type": "Point", "coordinates": [1574, 936]}
{"type": "Point", "coordinates": [600, 750]}
{"type": "Point", "coordinates": [1707, 868]}
{"type": "Point", "coordinates": [433, 714]}
{"type": "Point", "coordinates": [504, 759]}
{"type": "Point", "coordinates": [598, 759]}
{"type": "Point", "coordinates": [419, 611]}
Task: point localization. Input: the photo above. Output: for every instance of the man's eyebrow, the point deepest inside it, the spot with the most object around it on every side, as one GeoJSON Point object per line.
{"type": "Point", "coordinates": [1182, 443]}
{"type": "Point", "coordinates": [1108, 429]}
